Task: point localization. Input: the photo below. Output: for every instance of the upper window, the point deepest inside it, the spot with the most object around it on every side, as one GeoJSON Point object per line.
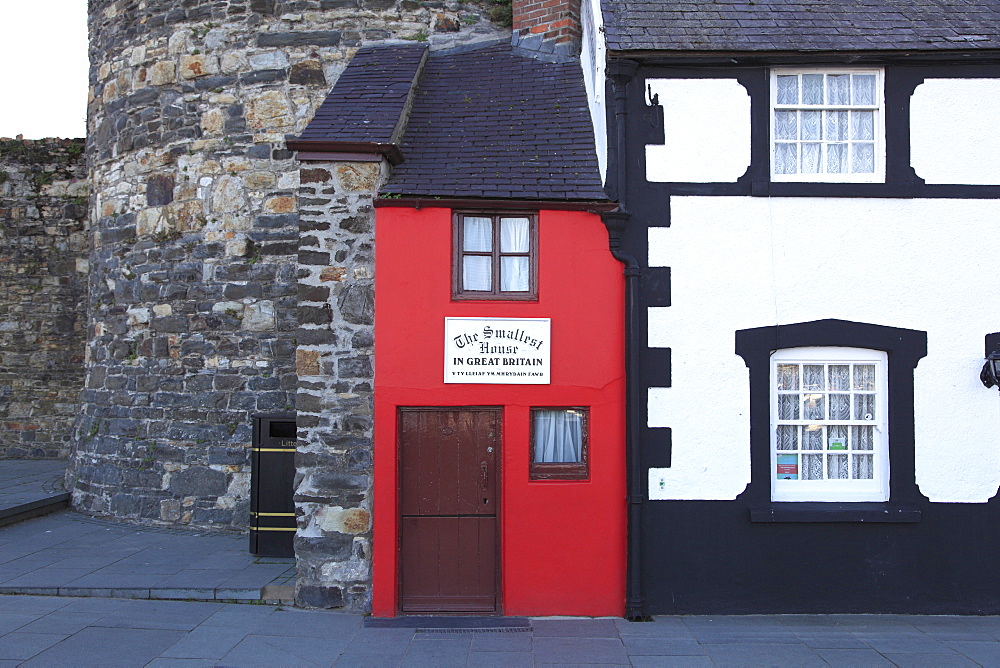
{"type": "Point", "coordinates": [828, 425]}
{"type": "Point", "coordinates": [827, 125]}
{"type": "Point", "coordinates": [559, 444]}
{"type": "Point", "coordinates": [496, 256]}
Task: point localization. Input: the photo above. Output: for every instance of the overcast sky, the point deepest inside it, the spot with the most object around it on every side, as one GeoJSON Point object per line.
{"type": "Point", "coordinates": [43, 77]}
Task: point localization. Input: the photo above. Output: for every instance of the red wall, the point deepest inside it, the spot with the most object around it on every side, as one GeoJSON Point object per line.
{"type": "Point", "coordinates": [563, 542]}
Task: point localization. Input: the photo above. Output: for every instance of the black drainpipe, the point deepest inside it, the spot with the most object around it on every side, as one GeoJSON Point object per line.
{"type": "Point", "coordinates": [621, 73]}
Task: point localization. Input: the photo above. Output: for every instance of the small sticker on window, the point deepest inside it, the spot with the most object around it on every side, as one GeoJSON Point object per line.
{"type": "Point", "coordinates": [788, 467]}
{"type": "Point", "coordinates": [837, 444]}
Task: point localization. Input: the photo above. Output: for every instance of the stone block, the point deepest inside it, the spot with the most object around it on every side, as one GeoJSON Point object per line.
{"type": "Point", "coordinates": [198, 481]}
{"type": "Point", "coordinates": [159, 189]}
{"type": "Point", "coordinates": [163, 73]}
{"type": "Point", "coordinates": [307, 73]}
{"type": "Point", "coordinates": [199, 65]}
{"type": "Point", "coordinates": [314, 175]}
{"type": "Point", "coordinates": [357, 304]}
{"type": "Point", "coordinates": [359, 176]}
{"type": "Point", "coordinates": [313, 596]}
{"type": "Point", "coordinates": [307, 362]}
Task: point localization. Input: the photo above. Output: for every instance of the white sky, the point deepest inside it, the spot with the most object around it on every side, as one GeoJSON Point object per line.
{"type": "Point", "coordinates": [43, 76]}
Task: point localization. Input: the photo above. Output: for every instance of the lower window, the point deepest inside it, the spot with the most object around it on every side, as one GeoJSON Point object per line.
{"type": "Point", "coordinates": [559, 444]}
{"type": "Point", "coordinates": [829, 439]}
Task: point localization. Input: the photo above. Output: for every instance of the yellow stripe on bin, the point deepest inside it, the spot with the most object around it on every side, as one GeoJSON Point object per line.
{"type": "Point", "coordinates": [273, 514]}
{"type": "Point", "coordinates": [273, 449]}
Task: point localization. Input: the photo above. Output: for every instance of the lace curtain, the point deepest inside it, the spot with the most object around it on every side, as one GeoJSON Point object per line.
{"type": "Point", "coordinates": [477, 270]}
{"type": "Point", "coordinates": [514, 269]}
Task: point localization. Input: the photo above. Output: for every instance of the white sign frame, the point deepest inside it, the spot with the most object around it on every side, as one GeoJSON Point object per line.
{"type": "Point", "coordinates": [497, 351]}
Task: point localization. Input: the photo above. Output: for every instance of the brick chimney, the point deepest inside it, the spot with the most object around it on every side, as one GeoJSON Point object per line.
{"type": "Point", "coordinates": [551, 26]}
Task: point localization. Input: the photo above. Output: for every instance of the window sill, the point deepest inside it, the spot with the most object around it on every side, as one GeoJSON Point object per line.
{"type": "Point", "coordinates": [834, 512]}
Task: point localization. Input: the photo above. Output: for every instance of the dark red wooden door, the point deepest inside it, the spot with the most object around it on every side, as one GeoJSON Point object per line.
{"type": "Point", "coordinates": [448, 506]}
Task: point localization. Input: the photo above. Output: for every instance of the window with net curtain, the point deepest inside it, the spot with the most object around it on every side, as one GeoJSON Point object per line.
{"type": "Point", "coordinates": [495, 256]}
{"type": "Point", "coordinates": [559, 444]}
{"type": "Point", "coordinates": [829, 438]}
{"type": "Point", "coordinates": [827, 125]}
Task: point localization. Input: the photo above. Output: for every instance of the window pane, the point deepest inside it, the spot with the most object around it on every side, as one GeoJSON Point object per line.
{"type": "Point", "coordinates": [862, 438]}
{"type": "Point", "coordinates": [812, 467]}
{"type": "Point", "coordinates": [864, 377]}
{"type": "Point", "coordinates": [863, 467]}
{"type": "Point", "coordinates": [838, 89]}
{"type": "Point", "coordinates": [812, 158]}
{"type": "Point", "coordinates": [812, 125]}
{"type": "Point", "coordinates": [840, 377]}
{"type": "Point", "coordinates": [840, 407]}
{"type": "Point", "coordinates": [477, 235]}
{"type": "Point", "coordinates": [812, 89]}
{"type": "Point", "coordinates": [814, 407]}
{"type": "Point", "coordinates": [836, 437]}
{"type": "Point", "coordinates": [863, 125]}
{"type": "Point", "coordinates": [837, 467]}
{"type": "Point", "coordinates": [836, 125]}
{"type": "Point", "coordinates": [812, 437]}
{"type": "Point", "coordinates": [786, 158]}
{"type": "Point", "coordinates": [788, 437]}
{"type": "Point", "coordinates": [477, 273]}
{"type": "Point", "coordinates": [558, 435]}
{"type": "Point", "coordinates": [864, 406]}
{"type": "Point", "coordinates": [864, 158]}
{"type": "Point", "coordinates": [864, 89]}
{"type": "Point", "coordinates": [788, 376]}
{"type": "Point", "coordinates": [836, 158]}
{"type": "Point", "coordinates": [812, 377]}
{"type": "Point", "coordinates": [788, 407]}
{"type": "Point", "coordinates": [786, 125]}
{"type": "Point", "coordinates": [514, 274]}
{"type": "Point", "coordinates": [514, 235]}
{"type": "Point", "coordinates": [788, 89]}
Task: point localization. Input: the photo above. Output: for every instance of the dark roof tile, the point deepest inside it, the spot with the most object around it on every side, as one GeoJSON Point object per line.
{"type": "Point", "coordinates": [793, 25]}
{"type": "Point", "coordinates": [490, 123]}
{"type": "Point", "coordinates": [369, 99]}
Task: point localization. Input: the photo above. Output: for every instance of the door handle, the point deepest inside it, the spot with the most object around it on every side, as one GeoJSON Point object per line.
{"type": "Point", "coordinates": [484, 470]}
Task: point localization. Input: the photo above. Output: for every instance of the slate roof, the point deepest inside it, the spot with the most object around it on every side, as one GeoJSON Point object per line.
{"type": "Point", "coordinates": [802, 25]}
{"type": "Point", "coordinates": [490, 123]}
{"type": "Point", "coordinates": [369, 99]}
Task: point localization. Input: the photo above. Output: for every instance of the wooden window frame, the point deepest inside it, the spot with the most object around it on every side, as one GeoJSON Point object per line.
{"type": "Point", "coordinates": [560, 470]}
{"type": "Point", "coordinates": [458, 293]}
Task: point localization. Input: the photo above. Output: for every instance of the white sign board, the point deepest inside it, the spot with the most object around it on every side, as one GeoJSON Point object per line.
{"type": "Point", "coordinates": [497, 350]}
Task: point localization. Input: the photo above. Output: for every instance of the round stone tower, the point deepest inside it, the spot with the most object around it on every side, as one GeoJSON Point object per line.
{"type": "Point", "coordinates": [193, 267]}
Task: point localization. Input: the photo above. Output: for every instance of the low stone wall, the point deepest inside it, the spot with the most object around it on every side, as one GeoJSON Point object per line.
{"type": "Point", "coordinates": [43, 270]}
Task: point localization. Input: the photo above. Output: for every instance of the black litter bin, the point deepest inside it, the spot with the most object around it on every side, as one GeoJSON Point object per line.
{"type": "Point", "coordinates": [272, 473]}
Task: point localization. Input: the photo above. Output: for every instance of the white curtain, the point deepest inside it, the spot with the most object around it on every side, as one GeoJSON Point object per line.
{"type": "Point", "coordinates": [558, 435]}
{"type": "Point", "coordinates": [477, 270]}
{"type": "Point", "coordinates": [514, 238]}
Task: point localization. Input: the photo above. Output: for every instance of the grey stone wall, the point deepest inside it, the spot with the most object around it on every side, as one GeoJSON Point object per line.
{"type": "Point", "coordinates": [335, 369]}
{"type": "Point", "coordinates": [205, 306]}
{"type": "Point", "coordinates": [43, 270]}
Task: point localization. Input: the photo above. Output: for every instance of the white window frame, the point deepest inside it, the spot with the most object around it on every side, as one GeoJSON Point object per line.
{"type": "Point", "coordinates": [878, 175]}
{"type": "Point", "coordinates": [832, 490]}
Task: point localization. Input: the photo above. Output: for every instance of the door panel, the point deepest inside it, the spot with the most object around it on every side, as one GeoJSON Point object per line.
{"type": "Point", "coordinates": [448, 507]}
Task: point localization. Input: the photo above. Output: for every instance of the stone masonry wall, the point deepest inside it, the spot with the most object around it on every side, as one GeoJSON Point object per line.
{"type": "Point", "coordinates": [43, 269]}
{"type": "Point", "coordinates": [335, 368]}
{"type": "Point", "coordinates": [193, 295]}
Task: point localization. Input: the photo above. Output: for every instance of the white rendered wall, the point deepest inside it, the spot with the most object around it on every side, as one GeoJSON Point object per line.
{"type": "Point", "coordinates": [593, 57]}
{"type": "Point", "coordinates": [706, 130]}
{"type": "Point", "coordinates": [742, 262]}
{"type": "Point", "coordinates": [954, 131]}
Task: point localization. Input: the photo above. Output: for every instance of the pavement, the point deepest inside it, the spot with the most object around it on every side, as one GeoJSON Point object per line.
{"type": "Point", "coordinates": [80, 591]}
{"type": "Point", "coordinates": [30, 488]}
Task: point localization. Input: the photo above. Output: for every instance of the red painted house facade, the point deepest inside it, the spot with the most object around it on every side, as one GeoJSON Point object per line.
{"type": "Point", "coordinates": [559, 544]}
